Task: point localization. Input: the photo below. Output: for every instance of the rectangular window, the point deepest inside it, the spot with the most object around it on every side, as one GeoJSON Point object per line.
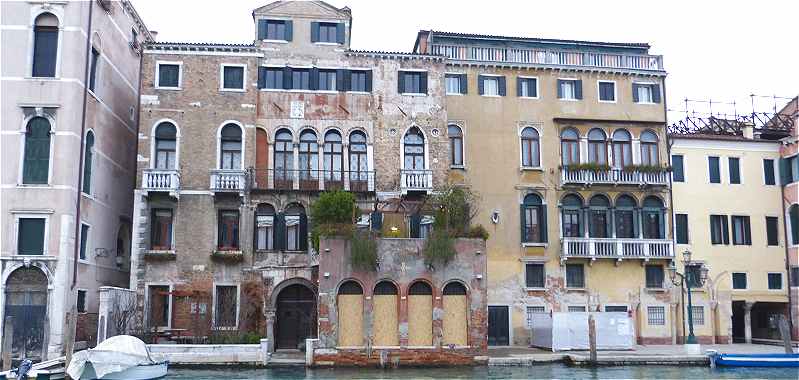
{"type": "Point", "coordinates": [571, 223]}
{"type": "Point", "coordinates": [327, 80]}
{"type": "Point", "coordinates": [161, 229]}
{"type": "Point", "coordinates": [226, 305]}
{"type": "Point", "coordinates": [607, 91]}
{"type": "Point", "coordinates": [698, 315]}
{"type": "Point", "coordinates": [270, 78]}
{"type": "Point", "coordinates": [681, 227]}
{"type": "Point", "coordinates": [576, 309]}
{"type": "Point", "coordinates": [81, 302]}
{"type": "Point", "coordinates": [93, 69]}
{"type": "Point", "coordinates": [233, 77]}
{"type": "Point", "coordinates": [741, 231]}
{"type": "Point", "coordinates": [453, 83]}
{"type": "Point", "coordinates": [30, 237]}
{"type": "Point", "coordinates": [489, 85]}
{"type": "Point", "coordinates": [528, 87]}
{"type": "Point", "coordinates": [84, 237]}
{"type": "Point", "coordinates": [301, 79]}
{"type": "Point", "coordinates": [228, 230]}
{"type": "Point", "coordinates": [775, 281]}
{"type": "Point", "coordinates": [168, 76]}
{"type": "Point", "coordinates": [276, 30]}
{"type": "Point", "coordinates": [677, 169]}
{"type": "Point", "coordinates": [359, 81]}
{"type": "Point", "coordinates": [615, 309]}
{"type": "Point", "coordinates": [532, 231]}
{"type": "Point", "coordinates": [158, 306]}
{"type": "Point", "coordinates": [575, 276]}
{"type": "Point", "coordinates": [794, 276]}
{"type": "Point", "coordinates": [654, 276]}
{"type": "Point", "coordinates": [739, 281]}
{"type": "Point", "coordinates": [719, 233]}
{"type": "Point", "coordinates": [772, 230]}
{"type": "Point", "coordinates": [570, 89]}
{"type": "Point", "coordinates": [532, 310]}
{"type": "Point", "coordinates": [646, 93]}
{"type": "Point", "coordinates": [412, 82]}
{"type": "Point", "coordinates": [264, 227]}
{"type": "Point", "coordinates": [713, 169]}
{"type": "Point", "coordinates": [693, 272]}
{"type": "Point", "coordinates": [768, 172]}
{"type": "Point", "coordinates": [656, 315]}
{"type": "Point", "coordinates": [735, 170]}
{"type": "Point", "coordinates": [292, 232]}
{"type": "Point", "coordinates": [534, 275]}
{"type": "Point", "coordinates": [328, 32]}
{"type": "Point", "coordinates": [45, 51]}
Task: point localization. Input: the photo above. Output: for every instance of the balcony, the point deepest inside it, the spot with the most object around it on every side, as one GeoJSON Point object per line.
{"type": "Point", "coordinates": [613, 176]}
{"type": "Point", "coordinates": [232, 180]}
{"type": "Point", "coordinates": [416, 180]}
{"type": "Point", "coordinates": [160, 180]}
{"type": "Point", "coordinates": [619, 249]}
{"type": "Point", "coordinates": [549, 57]}
{"type": "Point", "coordinates": [312, 180]}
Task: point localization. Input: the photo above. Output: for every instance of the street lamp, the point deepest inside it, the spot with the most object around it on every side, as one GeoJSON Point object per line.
{"type": "Point", "coordinates": [689, 278]}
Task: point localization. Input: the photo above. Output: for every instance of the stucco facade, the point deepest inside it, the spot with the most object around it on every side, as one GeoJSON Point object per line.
{"type": "Point", "coordinates": [789, 152]}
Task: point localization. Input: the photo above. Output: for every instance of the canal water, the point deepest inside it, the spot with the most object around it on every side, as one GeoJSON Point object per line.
{"type": "Point", "coordinates": [547, 371]}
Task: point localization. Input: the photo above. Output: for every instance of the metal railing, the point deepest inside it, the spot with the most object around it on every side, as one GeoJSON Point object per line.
{"type": "Point", "coordinates": [228, 180]}
{"type": "Point", "coordinates": [598, 248]}
{"type": "Point", "coordinates": [416, 180]}
{"type": "Point", "coordinates": [160, 180]}
{"type": "Point", "coordinates": [549, 57]}
{"type": "Point", "coordinates": [311, 180]}
{"type": "Point", "coordinates": [614, 177]}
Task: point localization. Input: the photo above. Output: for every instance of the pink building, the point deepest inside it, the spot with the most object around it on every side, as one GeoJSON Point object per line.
{"type": "Point", "coordinates": [789, 171]}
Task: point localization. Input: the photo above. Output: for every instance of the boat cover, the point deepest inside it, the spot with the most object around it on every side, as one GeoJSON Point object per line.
{"type": "Point", "coordinates": [114, 354]}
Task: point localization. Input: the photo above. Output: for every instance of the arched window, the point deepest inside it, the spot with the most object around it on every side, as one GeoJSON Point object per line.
{"type": "Point", "coordinates": [531, 148]}
{"type": "Point", "coordinates": [570, 147]}
{"type": "Point", "coordinates": [296, 228]}
{"type": "Point", "coordinates": [793, 217]}
{"type": "Point", "coordinates": [653, 214]}
{"type": "Point", "coordinates": [36, 164]}
{"type": "Point", "coordinates": [334, 157]}
{"type": "Point", "coordinates": [359, 165]}
{"type": "Point", "coordinates": [622, 150]}
{"type": "Point", "coordinates": [284, 160]}
{"type": "Point", "coordinates": [350, 314]}
{"type": "Point", "coordinates": [456, 315]}
{"type": "Point", "coordinates": [626, 226]}
{"type": "Point", "coordinates": [597, 147]}
{"type": "Point", "coordinates": [264, 227]}
{"type": "Point", "coordinates": [649, 148]}
{"type": "Point", "coordinates": [45, 45]}
{"type": "Point", "coordinates": [309, 160]}
{"type": "Point", "coordinates": [386, 333]}
{"type": "Point", "coordinates": [166, 146]}
{"type": "Point", "coordinates": [87, 162]}
{"type": "Point", "coordinates": [599, 209]}
{"type": "Point", "coordinates": [230, 156]}
{"type": "Point", "coordinates": [571, 215]}
{"type": "Point", "coordinates": [534, 220]}
{"type": "Point", "coordinates": [413, 147]}
{"type": "Point", "coordinates": [420, 314]}
{"type": "Point", "coordinates": [455, 145]}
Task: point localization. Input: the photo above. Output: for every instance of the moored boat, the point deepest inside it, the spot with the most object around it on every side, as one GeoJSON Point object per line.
{"type": "Point", "coordinates": [754, 360]}
{"type": "Point", "coordinates": [117, 358]}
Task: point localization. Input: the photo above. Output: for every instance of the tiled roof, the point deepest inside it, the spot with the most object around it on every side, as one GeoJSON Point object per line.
{"type": "Point", "coordinates": [394, 53]}
{"type": "Point", "coordinates": [542, 40]}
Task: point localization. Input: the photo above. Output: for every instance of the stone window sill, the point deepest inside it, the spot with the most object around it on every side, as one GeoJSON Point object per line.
{"type": "Point", "coordinates": [156, 254]}
{"type": "Point", "coordinates": [228, 255]}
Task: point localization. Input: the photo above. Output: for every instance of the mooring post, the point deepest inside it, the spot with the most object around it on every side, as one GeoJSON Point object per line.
{"type": "Point", "coordinates": [591, 339]}
{"type": "Point", "coordinates": [785, 332]}
{"type": "Point", "coordinates": [8, 340]}
{"type": "Point", "coordinates": [69, 339]}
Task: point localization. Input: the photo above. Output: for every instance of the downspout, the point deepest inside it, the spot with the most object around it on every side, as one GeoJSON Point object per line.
{"type": "Point", "coordinates": [82, 150]}
{"type": "Point", "coordinates": [787, 256]}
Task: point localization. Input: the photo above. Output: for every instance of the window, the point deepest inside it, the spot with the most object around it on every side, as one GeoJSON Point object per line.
{"type": "Point", "coordinates": [793, 218]}
{"type": "Point", "coordinates": [360, 81]}
{"type": "Point", "coordinates": [532, 310]}
{"type": "Point", "coordinates": [653, 215]}
{"type": "Point", "coordinates": [284, 160]}
{"type": "Point", "coordinates": [625, 220]}
{"type": "Point", "coordinates": [575, 277]}
{"type": "Point", "coordinates": [413, 150]}
{"type": "Point", "coordinates": [226, 306]}
{"type": "Point", "coordinates": [84, 240]}
{"type": "Point", "coordinates": [455, 145]}
{"type": "Point", "coordinates": [87, 163]}
{"type": "Point", "coordinates": [622, 149]}
{"type": "Point", "coordinates": [159, 305]}
{"type": "Point", "coordinates": [36, 163]}
{"type": "Point", "coordinates": [264, 227]}
{"type": "Point", "coordinates": [93, 69]}
{"type": "Point", "coordinates": [412, 82]}
{"type": "Point", "coordinates": [576, 309]}
{"type": "Point", "coordinates": [739, 281]}
{"type": "Point", "coordinates": [333, 160]}
{"type": "Point", "coordinates": [533, 220]}
{"type": "Point", "coordinates": [359, 165]}
{"type": "Point", "coordinates": [677, 169]}
{"type": "Point", "coordinates": [569, 147]}
{"type": "Point", "coordinates": [426, 226]}
{"type": "Point", "coordinates": [308, 159]}
{"type": "Point", "coordinates": [300, 79]}
{"type": "Point", "coordinates": [275, 30]}
{"type": "Point", "coordinates": [80, 305]}
{"type": "Point", "coordinates": [713, 169]}
{"type": "Point", "coordinates": [794, 276]}
{"type": "Point", "coordinates": [656, 315]}
{"type": "Point", "coordinates": [270, 78]}
{"type": "Point", "coordinates": [646, 93]}
{"type": "Point", "coordinates": [327, 32]}
{"type": "Point", "coordinates": [165, 146]}
{"type": "Point", "coordinates": [45, 46]}
{"type": "Point", "coordinates": [599, 219]}
{"type": "Point", "coordinates": [681, 228]}
{"type": "Point", "coordinates": [531, 148]}
{"type": "Point", "coordinates": [719, 234]}
{"type": "Point", "coordinates": [30, 236]}
{"type": "Point", "coordinates": [654, 276]}
{"type": "Point", "coordinates": [615, 309]}
{"type": "Point", "coordinates": [571, 216]}
{"type": "Point", "coordinates": [597, 147]}
{"type": "Point", "coordinates": [134, 39]}
{"type": "Point", "coordinates": [789, 170]}
{"type": "Point", "coordinates": [768, 172]}
{"type": "Point", "coordinates": [169, 76]}
{"type": "Point", "coordinates": [534, 275]}
{"type": "Point", "coordinates": [607, 91]}
{"type": "Point", "coordinates": [772, 228]}
{"type": "Point", "coordinates": [698, 315]}
{"type": "Point", "coordinates": [775, 281]}
{"type": "Point", "coordinates": [570, 89]}
{"type": "Point", "coordinates": [456, 84]}
{"type": "Point", "coordinates": [693, 272]}
{"type": "Point", "coordinates": [161, 229]}
{"type": "Point", "coordinates": [741, 232]}
{"type": "Point", "coordinates": [233, 77]}
{"type": "Point", "coordinates": [491, 85]}
{"type": "Point", "coordinates": [296, 229]}
{"type": "Point", "coordinates": [327, 80]}
{"type": "Point", "coordinates": [527, 87]}
{"type": "Point", "coordinates": [228, 238]}
{"type": "Point", "coordinates": [230, 143]}
{"type": "Point", "coordinates": [649, 149]}
{"type": "Point", "coordinates": [735, 170]}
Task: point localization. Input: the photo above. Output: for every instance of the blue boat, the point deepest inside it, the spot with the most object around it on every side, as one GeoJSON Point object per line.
{"type": "Point", "coordinates": [754, 360]}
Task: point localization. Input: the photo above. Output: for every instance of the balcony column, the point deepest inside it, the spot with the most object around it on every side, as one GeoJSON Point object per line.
{"type": "Point", "coordinates": [345, 164]}
{"type": "Point", "coordinates": [583, 149]}
{"type": "Point", "coordinates": [371, 183]}
{"type": "Point", "coordinates": [295, 156]}
{"type": "Point", "coordinates": [636, 148]}
{"type": "Point", "coordinates": [587, 222]}
{"type": "Point", "coordinates": [270, 168]}
{"type": "Point", "coordinates": [321, 165]}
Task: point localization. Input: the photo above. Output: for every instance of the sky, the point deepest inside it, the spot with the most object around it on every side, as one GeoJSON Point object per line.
{"type": "Point", "coordinates": [713, 50]}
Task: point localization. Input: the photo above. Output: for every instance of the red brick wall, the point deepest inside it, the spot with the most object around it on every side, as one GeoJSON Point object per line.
{"type": "Point", "coordinates": [86, 328]}
{"type": "Point", "coordinates": [400, 357]}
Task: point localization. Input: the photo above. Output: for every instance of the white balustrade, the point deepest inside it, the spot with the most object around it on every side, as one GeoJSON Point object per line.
{"type": "Point", "coordinates": [416, 180]}
{"type": "Point", "coordinates": [599, 248]}
{"type": "Point", "coordinates": [160, 180]}
{"type": "Point", "coordinates": [614, 177]}
{"type": "Point", "coordinates": [228, 180]}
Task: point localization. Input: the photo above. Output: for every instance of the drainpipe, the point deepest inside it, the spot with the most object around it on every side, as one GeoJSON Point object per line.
{"type": "Point", "coordinates": [787, 258]}
{"type": "Point", "coordinates": [82, 150]}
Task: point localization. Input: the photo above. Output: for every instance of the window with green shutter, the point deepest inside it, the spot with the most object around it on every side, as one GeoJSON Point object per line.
{"type": "Point", "coordinates": [87, 163]}
{"type": "Point", "coordinates": [36, 164]}
{"type": "Point", "coordinates": [681, 227]}
{"type": "Point", "coordinates": [739, 281]}
{"type": "Point", "coordinates": [735, 170]}
{"type": "Point", "coordinates": [84, 240]}
{"type": "Point", "coordinates": [30, 238]}
{"type": "Point", "coordinates": [713, 169]}
{"type": "Point", "coordinates": [768, 172]}
{"type": "Point", "coordinates": [772, 228]}
{"type": "Point", "coordinates": [677, 169]}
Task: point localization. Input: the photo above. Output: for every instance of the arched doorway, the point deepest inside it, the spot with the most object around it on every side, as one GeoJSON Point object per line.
{"type": "Point", "coordinates": [295, 316]}
{"type": "Point", "coordinates": [26, 301]}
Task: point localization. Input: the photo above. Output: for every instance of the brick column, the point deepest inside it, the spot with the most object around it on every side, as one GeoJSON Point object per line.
{"type": "Point", "coordinates": [438, 318]}
{"type": "Point", "coordinates": [402, 319]}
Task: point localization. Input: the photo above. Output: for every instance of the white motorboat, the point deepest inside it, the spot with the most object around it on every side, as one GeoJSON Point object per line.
{"type": "Point", "coordinates": [122, 357]}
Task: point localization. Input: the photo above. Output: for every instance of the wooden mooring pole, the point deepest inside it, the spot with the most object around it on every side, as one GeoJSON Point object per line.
{"type": "Point", "coordinates": [591, 339]}
{"type": "Point", "coordinates": [785, 332]}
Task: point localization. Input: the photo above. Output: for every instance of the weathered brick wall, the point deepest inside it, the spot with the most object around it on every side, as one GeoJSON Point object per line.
{"type": "Point", "coordinates": [395, 358]}
{"type": "Point", "coordinates": [86, 328]}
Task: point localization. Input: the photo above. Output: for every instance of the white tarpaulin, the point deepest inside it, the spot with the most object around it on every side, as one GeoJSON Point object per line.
{"type": "Point", "coordinates": [114, 354]}
{"type": "Point", "coordinates": [569, 331]}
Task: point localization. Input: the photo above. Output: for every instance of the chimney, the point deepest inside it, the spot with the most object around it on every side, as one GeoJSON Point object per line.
{"type": "Point", "coordinates": [154, 33]}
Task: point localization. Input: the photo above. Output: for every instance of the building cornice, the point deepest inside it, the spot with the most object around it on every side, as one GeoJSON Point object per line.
{"type": "Point", "coordinates": [566, 120]}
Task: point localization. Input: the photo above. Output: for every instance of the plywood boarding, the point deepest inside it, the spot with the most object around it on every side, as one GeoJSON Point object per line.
{"type": "Point", "coordinates": [350, 320]}
{"type": "Point", "coordinates": [385, 328]}
{"type": "Point", "coordinates": [420, 320]}
{"type": "Point", "coordinates": [455, 317]}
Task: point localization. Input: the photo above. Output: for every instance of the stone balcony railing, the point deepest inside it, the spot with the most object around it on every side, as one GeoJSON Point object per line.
{"type": "Point", "coordinates": [160, 180]}
{"type": "Point", "coordinates": [228, 180]}
{"type": "Point", "coordinates": [416, 180]}
{"type": "Point", "coordinates": [613, 176]}
{"type": "Point", "coordinates": [618, 249]}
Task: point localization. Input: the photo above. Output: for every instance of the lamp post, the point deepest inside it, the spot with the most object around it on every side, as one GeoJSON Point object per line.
{"type": "Point", "coordinates": [689, 277]}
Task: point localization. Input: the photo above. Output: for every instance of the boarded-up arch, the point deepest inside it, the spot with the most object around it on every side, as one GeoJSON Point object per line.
{"type": "Point", "coordinates": [455, 314]}
{"type": "Point", "coordinates": [350, 314]}
{"type": "Point", "coordinates": [420, 314]}
{"type": "Point", "coordinates": [385, 321]}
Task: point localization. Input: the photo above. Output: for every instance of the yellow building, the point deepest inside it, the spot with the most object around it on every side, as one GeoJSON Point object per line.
{"type": "Point", "coordinates": [728, 213]}
{"type": "Point", "coordinates": [564, 141]}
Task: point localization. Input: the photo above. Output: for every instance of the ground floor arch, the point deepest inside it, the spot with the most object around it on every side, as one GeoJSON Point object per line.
{"type": "Point", "coordinates": [295, 315]}
{"type": "Point", "coordinates": [26, 293]}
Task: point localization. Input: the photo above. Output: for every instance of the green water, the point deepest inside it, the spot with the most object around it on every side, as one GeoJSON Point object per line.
{"type": "Point", "coordinates": [547, 371]}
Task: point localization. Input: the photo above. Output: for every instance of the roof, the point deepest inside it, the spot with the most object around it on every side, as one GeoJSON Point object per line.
{"type": "Point", "coordinates": [200, 46]}
{"type": "Point", "coordinates": [496, 38]}
{"type": "Point", "coordinates": [707, 136]}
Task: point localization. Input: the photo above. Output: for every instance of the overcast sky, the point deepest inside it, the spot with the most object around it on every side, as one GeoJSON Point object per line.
{"type": "Point", "coordinates": [719, 50]}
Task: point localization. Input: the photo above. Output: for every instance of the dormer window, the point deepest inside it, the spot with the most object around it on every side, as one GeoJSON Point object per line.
{"type": "Point", "coordinates": [275, 30]}
{"type": "Point", "coordinates": [327, 32]}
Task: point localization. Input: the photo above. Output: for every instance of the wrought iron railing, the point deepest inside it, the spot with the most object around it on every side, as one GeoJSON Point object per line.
{"type": "Point", "coordinates": [312, 180]}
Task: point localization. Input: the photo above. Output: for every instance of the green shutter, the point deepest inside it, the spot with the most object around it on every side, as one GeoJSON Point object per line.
{"type": "Point", "coordinates": [314, 31]}
{"type": "Point", "coordinates": [522, 222]}
{"type": "Point", "coordinates": [401, 82]}
{"type": "Point", "coordinates": [377, 221]}
{"type": "Point", "coordinates": [303, 232]}
{"type": "Point", "coordinates": [289, 30]}
{"type": "Point", "coordinates": [543, 226]}
{"type": "Point", "coordinates": [502, 86]}
{"type": "Point", "coordinates": [340, 36]}
{"type": "Point", "coordinates": [423, 83]}
{"type": "Point", "coordinates": [261, 29]}
{"type": "Point", "coordinates": [30, 240]}
{"type": "Point", "coordinates": [578, 89]}
{"type": "Point", "coordinates": [36, 163]}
